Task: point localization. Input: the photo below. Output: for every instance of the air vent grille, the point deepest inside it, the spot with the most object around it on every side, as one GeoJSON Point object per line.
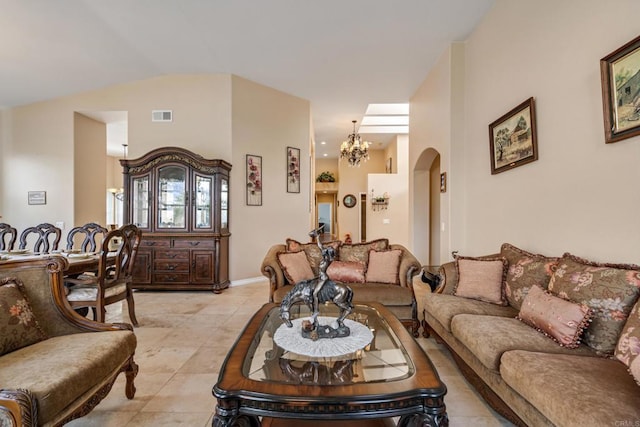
{"type": "Point", "coordinates": [161, 116]}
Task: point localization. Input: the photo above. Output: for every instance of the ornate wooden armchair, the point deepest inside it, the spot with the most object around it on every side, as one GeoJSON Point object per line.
{"type": "Point", "coordinates": [9, 233]}
{"type": "Point", "coordinates": [47, 237]}
{"type": "Point", "coordinates": [113, 281]}
{"type": "Point", "coordinates": [90, 231]}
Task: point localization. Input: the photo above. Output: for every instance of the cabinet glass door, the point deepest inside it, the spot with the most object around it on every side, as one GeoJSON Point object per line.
{"type": "Point", "coordinates": [172, 197]}
{"type": "Point", "coordinates": [140, 201]}
{"type": "Point", "coordinates": [224, 204]}
{"type": "Point", "coordinates": [203, 202]}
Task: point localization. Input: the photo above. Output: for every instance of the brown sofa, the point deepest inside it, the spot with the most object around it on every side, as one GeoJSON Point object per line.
{"type": "Point", "coordinates": [522, 373]}
{"type": "Point", "coordinates": [73, 366]}
{"type": "Point", "coordinates": [399, 298]}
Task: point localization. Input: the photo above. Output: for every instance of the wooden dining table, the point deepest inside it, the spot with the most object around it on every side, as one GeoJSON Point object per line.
{"type": "Point", "coordinates": [77, 263]}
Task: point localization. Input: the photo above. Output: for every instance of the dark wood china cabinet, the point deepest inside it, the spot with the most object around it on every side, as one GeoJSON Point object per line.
{"type": "Point", "coordinates": [180, 201]}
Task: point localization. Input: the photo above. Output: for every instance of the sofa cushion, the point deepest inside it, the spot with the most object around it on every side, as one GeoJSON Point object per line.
{"type": "Point", "coordinates": [525, 270]}
{"type": "Point", "coordinates": [445, 307]}
{"type": "Point", "coordinates": [489, 337]}
{"type": "Point", "coordinates": [295, 266]}
{"type": "Point", "coordinates": [18, 325]}
{"type": "Point", "coordinates": [610, 290]}
{"type": "Point", "coordinates": [346, 272]}
{"type": "Point", "coordinates": [628, 347]}
{"type": "Point", "coordinates": [561, 320]}
{"type": "Point", "coordinates": [314, 255]}
{"type": "Point", "coordinates": [61, 369]}
{"type": "Point", "coordinates": [558, 385]}
{"type": "Point", "coordinates": [383, 266]}
{"type": "Point", "coordinates": [481, 279]}
{"type": "Point", "coordinates": [388, 295]}
{"type": "Point", "coordinates": [359, 252]}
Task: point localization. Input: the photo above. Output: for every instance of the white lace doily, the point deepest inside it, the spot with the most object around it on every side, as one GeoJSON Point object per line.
{"type": "Point", "coordinates": [291, 339]}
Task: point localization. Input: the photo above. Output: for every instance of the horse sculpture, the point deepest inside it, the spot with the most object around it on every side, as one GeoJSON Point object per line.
{"type": "Point", "coordinates": [336, 293]}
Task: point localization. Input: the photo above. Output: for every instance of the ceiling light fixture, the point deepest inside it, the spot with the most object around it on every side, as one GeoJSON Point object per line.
{"type": "Point", "coordinates": [354, 149]}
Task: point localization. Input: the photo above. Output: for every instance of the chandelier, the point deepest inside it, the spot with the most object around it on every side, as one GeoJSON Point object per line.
{"type": "Point", "coordinates": [354, 149]}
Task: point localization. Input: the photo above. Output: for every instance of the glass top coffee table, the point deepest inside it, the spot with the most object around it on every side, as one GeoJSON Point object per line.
{"type": "Point", "coordinates": [391, 377]}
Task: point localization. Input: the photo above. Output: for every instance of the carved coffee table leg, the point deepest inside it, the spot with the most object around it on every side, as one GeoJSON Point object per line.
{"type": "Point", "coordinates": [227, 416]}
{"type": "Point", "coordinates": [433, 415]}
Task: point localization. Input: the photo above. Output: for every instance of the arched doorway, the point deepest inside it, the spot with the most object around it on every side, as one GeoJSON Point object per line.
{"type": "Point", "coordinates": [426, 207]}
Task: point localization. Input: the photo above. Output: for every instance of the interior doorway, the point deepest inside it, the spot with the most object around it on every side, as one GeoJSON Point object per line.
{"type": "Point", "coordinates": [363, 217]}
{"type": "Point", "coordinates": [426, 208]}
{"type": "Point", "coordinates": [326, 214]}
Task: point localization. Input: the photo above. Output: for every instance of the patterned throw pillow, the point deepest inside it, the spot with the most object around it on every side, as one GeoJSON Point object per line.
{"type": "Point", "coordinates": [563, 321]}
{"type": "Point", "coordinates": [384, 266]}
{"type": "Point", "coordinates": [346, 272]}
{"type": "Point", "coordinates": [481, 279]}
{"type": "Point", "coordinates": [314, 255]}
{"type": "Point", "coordinates": [359, 252]}
{"type": "Point", "coordinates": [628, 348]}
{"type": "Point", "coordinates": [18, 326]}
{"type": "Point", "coordinates": [525, 270]}
{"type": "Point", "coordinates": [295, 266]}
{"type": "Point", "coordinates": [610, 290]}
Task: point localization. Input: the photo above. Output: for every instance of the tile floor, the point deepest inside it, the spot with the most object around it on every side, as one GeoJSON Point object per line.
{"type": "Point", "coordinates": [183, 338]}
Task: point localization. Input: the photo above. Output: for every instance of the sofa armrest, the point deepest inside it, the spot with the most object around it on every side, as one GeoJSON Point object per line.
{"type": "Point", "coordinates": [18, 408]}
{"type": "Point", "coordinates": [271, 269]}
{"type": "Point", "coordinates": [448, 278]}
{"type": "Point", "coordinates": [409, 266]}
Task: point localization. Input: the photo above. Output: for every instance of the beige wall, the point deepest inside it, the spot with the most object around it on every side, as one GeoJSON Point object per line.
{"type": "Point", "coordinates": [331, 165]}
{"type": "Point", "coordinates": [90, 170]}
{"type": "Point", "coordinates": [265, 122]}
{"type": "Point", "coordinates": [576, 196]}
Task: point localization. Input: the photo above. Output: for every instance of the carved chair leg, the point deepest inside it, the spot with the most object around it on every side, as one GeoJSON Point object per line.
{"type": "Point", "coordinates": [130, 374]}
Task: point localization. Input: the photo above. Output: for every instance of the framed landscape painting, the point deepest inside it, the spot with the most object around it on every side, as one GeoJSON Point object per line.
{"type": "Point", "coordinates": [513, 139]}
{"type": "Point", "coordinates": [620, 76]}
{"type": "Point", "coordinates": [254, 180]}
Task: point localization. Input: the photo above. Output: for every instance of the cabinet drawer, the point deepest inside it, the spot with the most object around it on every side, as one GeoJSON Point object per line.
{"type": "Point", "coordinates": [193, 243]}
{"type": "Point", "coordinates": [154, 243]}
{"type": "Point", "coordinates": [171, 278]}
{"type": "Point", "coordinates": [163, 254]}
{"type": "Point", "coordinates": [166, 265]}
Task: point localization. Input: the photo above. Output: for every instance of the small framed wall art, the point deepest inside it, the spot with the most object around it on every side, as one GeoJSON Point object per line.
{"type": "Point", "coordinates": [254, 180]}
{"type": "Point", "coordinates": [513, 139]}
{"type": "Point", "coordinates": [37, 197]}
{"type": "Point", "coordinates": [620, 76]}
{"type": "Point", "coordinates": [443, 182]}
{"type": "Point", "coordinates": [293, 170]}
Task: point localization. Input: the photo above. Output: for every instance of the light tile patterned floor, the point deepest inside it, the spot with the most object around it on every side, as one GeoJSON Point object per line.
{"type": "Point", "coordinates": [183, 338]}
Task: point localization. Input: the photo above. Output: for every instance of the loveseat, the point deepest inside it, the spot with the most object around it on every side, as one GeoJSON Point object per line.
{"type": "Point", "coordinates": [54, 364]}
{"type": "Point", "coordinates": [506, 339]}
{"type": "Point", "coordinates": [376, 271]}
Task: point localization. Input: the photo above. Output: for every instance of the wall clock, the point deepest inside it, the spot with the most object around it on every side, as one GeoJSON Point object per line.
{"type": "Point", "coordinates": [349, 200]}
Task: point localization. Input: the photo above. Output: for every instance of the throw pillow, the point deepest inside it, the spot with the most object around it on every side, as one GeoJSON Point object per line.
{"type": "Point", "coordinates": [18, 326]}
{"type": "Point", "coordinates": [628, 348]}
{"type": "Point", "coordinates": [610, 290]}
{"type": "Point", "coordinates": [384, 266]}
{"type": "Point", "coordinates": [295, 266]}
{"type": "Point", "coordinates": [481, 279]}
{"type": "Point", "coordinates": [563, 321]}
{"type": "Point", "coordinates": [525, 270]}
{"type": "Point", "coordinates": [314, 255]}
{"type": "Point", "coordinates": [346, 272]}
{"type": "Point", "coordinates": [359, 252]}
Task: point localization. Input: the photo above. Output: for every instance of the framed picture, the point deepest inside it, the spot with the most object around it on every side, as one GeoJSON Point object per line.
{"type": "Point", "coordinates": [37, 197]}
{"type": "Point", "coordinates": [512, 137]}
{"type": "Point", "coordinates": [254, 180]}
{"type": "Point", "coordinates": [349, 200]}
{"type": "Point", "coordinates": [293, 170]}
{"type": "Point", "coordinates": [620, 76]}
{"type": "Point", "coordinates": [443, 182]}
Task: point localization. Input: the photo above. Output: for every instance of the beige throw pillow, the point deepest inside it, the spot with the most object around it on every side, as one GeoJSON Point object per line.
{"type": "Point", "coordinates": [295, 266]}
{"type": "Point", "coordinates": [383, 266]}
{"type": "Point", "coordinates": [481, 279]}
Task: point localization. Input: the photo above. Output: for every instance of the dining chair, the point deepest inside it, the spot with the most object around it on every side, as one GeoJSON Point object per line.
{"type": "Point", "coordinates": [10, 233]}
{"type": "Point", "coordinates": [45, 232]}
{"type": "Point", "coordinates": [89, 233]}
{"type": "Point", "coordinates": [112, 283]}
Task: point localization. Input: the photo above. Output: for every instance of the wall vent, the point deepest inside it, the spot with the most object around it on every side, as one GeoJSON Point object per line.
{"type": "Point", "coordinates": [161, 116]}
